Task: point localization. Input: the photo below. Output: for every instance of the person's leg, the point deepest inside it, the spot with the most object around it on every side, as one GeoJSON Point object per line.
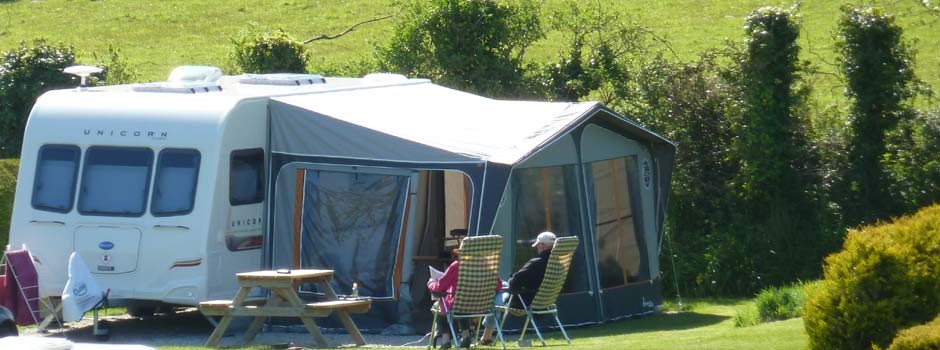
{"type": "Point", "coordinates": [444, 330]}
{"type": "Point", "coordinates": [490, 321]}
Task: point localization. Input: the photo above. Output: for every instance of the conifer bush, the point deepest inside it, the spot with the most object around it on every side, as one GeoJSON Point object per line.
{"type": "Point", "coordinates": [923, 337]}
{"type": "Point", "coordinates": [883, 280]}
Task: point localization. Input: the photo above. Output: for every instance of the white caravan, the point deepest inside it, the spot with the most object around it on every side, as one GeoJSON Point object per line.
{"type": "Point", "coordinates": [160, 187]}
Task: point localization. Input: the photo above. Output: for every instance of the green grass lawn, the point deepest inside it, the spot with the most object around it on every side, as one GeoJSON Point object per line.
{"type": "Point", "coordinates": [159, 35]}
{"type": "Point", "coordinates": [706, 325]}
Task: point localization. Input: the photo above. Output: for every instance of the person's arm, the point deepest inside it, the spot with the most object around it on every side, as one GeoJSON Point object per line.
{"type": "Point", "coordinates": [448, 280]}
{"type": "Point", "coordinates": [521, 279]}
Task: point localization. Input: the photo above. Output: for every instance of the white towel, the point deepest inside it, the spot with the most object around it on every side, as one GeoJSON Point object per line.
{"type": "Point", "coordinates": [81, 291]}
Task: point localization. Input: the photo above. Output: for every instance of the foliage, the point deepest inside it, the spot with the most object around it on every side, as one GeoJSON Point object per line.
{"type": "Point", "coordinates": [8, 172]}
{"type": "Point", "coordinates": [781, 303]}
{"type": "Point", "coordinates": [601, 50]}
{"type": "Point", "coordinates": [256, 51]}
{"type": "Point", "coordinates": [912, 161]}
{"type": "Point", "coordinates": [746, 316]}
{"type": "Point", "coordinates": [690, 103]}
{"type": "Point", "coordinates": [472, 45]}
{"type": "Point", "coordinates": [774, 304]}
{"type": "Point", "coordinates": [883, 280]}
{"type": "Point", "coordinates": [782, 205]}
{"type": "Point", "coordinates": [923, 337]}
{"type": "Point", "coordinates": [878, 66]}
{"type": "Point", "coordinates": [25, 73]}
{"type": "Point", "coordinates": [116, 68]}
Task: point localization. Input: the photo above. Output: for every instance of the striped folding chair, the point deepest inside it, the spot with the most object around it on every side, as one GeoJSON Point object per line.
{"type": "Point", "coordinates": [476, 285]}
{"type": "Point", "coordinates": [559, 262]}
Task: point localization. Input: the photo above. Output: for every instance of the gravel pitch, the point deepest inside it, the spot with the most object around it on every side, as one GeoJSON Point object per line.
{"type": "Point", "coordinates": [189, 328]}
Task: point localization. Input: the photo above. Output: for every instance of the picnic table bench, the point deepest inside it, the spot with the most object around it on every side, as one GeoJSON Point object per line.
{"type": "Point", "coordinates": [284, 302]}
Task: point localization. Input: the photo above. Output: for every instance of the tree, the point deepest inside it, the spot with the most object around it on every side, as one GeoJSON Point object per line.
{"type": "Point", "coordinates": [472, 45]}
{"type": "Point", "coordinates": [778, 185]}
{"type": "Point", "coordinates": [878, 66]}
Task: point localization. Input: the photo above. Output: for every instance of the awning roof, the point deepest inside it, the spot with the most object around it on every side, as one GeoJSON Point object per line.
{"type": "Point", "coordinates": [417, 123]}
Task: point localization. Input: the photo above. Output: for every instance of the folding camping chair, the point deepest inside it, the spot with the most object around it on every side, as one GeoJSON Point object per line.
{"type": "Point", "coordinates": [473, 298]}
{"type": "Point", "coordinates": [21, 287]}
{"type": "Point", "coordinates": [559, 262]}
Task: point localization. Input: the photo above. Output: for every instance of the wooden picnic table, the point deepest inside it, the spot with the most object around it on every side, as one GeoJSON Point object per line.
{"type": "Point", "coordinates": [284, 302]}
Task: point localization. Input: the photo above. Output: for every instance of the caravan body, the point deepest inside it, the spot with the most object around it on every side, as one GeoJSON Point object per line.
{"type": "Point", "coordinates": [160, 187]}
{"type": "Point", "coordinates": [138, 184]}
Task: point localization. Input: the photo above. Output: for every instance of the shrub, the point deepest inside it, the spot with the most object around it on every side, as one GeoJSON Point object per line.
{"type": "Point", "coordinates": [746, 316]}
{"type": "Point", "coordinates": [116, 69]}
{"type": "Point", "coordinates": [774, 304]}
{"type": "Point", "coordinates": [255, 51]}
{"type": "Point", "coordinates": [924, 337]}
{"type": "Point", "coordinates": [781, 303]}
{"type": "Point", "coordinates": [25, 73]}
{"type": "Point", "coordinates": [883, 280]}
{"type": "Point", "coordinates": [472, 45]}
{"type": "Point", "coordinates": [8, 171]}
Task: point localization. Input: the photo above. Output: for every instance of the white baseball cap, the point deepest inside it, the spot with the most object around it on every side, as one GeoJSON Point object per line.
{"type": "Point", "coordinates": [545, 237]}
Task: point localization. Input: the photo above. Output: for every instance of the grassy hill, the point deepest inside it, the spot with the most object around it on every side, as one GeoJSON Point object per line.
{"type": "Point", "coordinates": [156, 36]}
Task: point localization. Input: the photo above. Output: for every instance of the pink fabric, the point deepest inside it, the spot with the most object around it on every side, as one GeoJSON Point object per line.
{"type": "Point", "coordinates": [22, 291]}
{"type": "Point", "coordinates": [448, 285]}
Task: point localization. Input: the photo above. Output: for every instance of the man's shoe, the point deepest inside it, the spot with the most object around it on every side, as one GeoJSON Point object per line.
{"type": "Point", "coordinates": [485, 342]}
{"type": "Point", "coordinates": [465, 342]}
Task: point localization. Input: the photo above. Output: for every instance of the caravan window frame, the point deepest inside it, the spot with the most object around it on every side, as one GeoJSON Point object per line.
{"type": "Point", "coordinates": [39, 161]}
{"type": "Point", "coordinates": [260, 194]}
{"type": "Point", "coordinates": [197, 158]}
{"type": "Point", "coordinates": [145, 197]}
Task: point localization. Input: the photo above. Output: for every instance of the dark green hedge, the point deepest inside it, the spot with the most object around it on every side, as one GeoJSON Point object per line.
{"type": "Point", "coordinates": [8, 171]}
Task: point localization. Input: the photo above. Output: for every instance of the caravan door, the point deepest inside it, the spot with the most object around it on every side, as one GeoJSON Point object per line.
{"type": "Point", "coordinates": [108, 249]}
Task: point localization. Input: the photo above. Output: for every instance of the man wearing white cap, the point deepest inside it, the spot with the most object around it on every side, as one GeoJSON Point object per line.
{"type": "Point", "coordinates": [526, 281]}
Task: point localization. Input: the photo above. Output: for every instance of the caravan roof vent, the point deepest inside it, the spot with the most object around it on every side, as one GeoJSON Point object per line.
{"type": "Point", "coordinates": [191, 74]}
{"type": "Point", "coordinates": [179, 87]}
{"type": "Point", "coordinates": [282, 79]}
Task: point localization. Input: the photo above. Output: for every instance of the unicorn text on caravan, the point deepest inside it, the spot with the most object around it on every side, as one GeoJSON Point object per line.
{"type": "Point", "coordinates": [158, 135]}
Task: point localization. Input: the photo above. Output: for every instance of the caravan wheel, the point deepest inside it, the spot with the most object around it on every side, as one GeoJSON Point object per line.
{"type": "Point", "coordinates": [8, 329]}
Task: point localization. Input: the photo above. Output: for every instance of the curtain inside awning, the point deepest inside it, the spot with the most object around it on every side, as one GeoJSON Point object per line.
{"type": "Point", "coordinates": [352, 225]}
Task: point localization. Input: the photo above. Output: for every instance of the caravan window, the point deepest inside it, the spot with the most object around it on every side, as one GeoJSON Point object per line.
{"type": "Point", "coordinates": [174, 188]}
{"type": "Point", "coordinates": [246, 177]}
{"type": "Point", "coordinates": [115, 181]}
{"type": "Point", "coordinates": [621, 253]}
{"type": "Point", "coordinates": [56, 174]}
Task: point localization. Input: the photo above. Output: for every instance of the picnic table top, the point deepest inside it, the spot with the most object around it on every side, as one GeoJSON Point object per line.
{"type": "Point", "coordinates": [284, 274]}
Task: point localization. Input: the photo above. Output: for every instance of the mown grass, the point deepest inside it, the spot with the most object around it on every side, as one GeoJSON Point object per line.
{"type": "Point", "coordinates": [707, 324]}
{"type": "Point", "coordinates": [159, 35]}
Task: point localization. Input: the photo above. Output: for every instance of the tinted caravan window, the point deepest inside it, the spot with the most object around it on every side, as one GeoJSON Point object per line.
{"type": "Point", "coordinates": [56, 174]}
{"type": "Point", "coordinates": [115, 181]}
{"type": "Point", "coordinates": [246, 177]}
{"type": "Point", "coordinates": [174, 187]}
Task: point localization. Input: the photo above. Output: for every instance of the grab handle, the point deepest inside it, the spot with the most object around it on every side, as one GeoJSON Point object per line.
{"type": "Point", "coordinates": [47, 222]}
